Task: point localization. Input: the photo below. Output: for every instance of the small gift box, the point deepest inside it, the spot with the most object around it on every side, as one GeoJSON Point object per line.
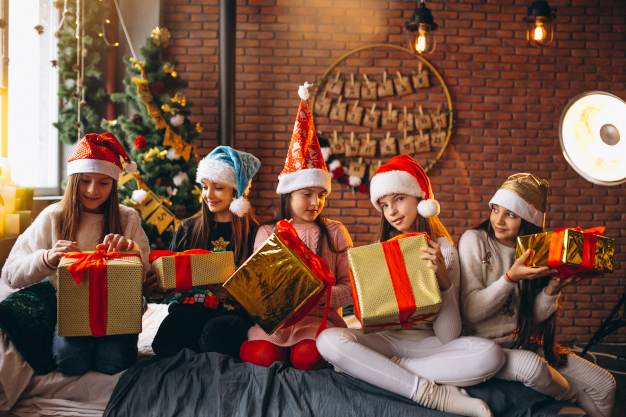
{"type": "Point", "coordinates": [399, 294]}
{"type": "Point", "coordinates": [281, 282]}
{"type": "Point", "coordinates": [584, 253]}
{"type": "Point", "coordinates": [192, 268]}
{"type": "Point", "coordinates": [99, 293]}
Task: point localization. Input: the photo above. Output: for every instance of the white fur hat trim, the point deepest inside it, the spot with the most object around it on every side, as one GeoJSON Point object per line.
{"type": "Point", "coordinates": [519, 206]}
{"type": "Point", "coordinates": [94, 166]}
{"type": "Point", "coordinates": [312, 177]}
{"type": "Point", "coordinates": [216, 171]}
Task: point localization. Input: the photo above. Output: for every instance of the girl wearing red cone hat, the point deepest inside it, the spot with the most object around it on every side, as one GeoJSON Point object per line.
{"type": "Point", "coordinates": [428, 362]}
{"type": "Point", "coordinates": [303, 185]}
{"type": "Point", "coordinates": [88, 217]}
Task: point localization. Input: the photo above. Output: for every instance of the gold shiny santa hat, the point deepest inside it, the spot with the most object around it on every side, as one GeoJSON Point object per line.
{"type": "Point", "coordinates": [525, 195]}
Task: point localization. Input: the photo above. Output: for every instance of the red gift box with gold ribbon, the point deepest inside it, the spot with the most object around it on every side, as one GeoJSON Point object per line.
{"type": "Point", "coordinates": [99, 293]}
{"type": "Point", "coordinates": [282, 281]}
{"type": "Point", "coordinates": [392, 287]}
{"type": "Point", "coordinates": [192, 268]}
{"type": "Point", "coordinates": [570, 251]}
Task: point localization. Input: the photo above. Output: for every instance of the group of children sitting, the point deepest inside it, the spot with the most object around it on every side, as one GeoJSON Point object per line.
{"type": "Point", "coordinates": [505, 310]}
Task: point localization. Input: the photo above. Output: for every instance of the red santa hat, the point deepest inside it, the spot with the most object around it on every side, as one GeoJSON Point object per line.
{"type": "Point", "coordinates": [403, 175]}
{"type": "Point", "coordinates": [99, 154]}
{"type": "Point", "coordinates": [304, 166]}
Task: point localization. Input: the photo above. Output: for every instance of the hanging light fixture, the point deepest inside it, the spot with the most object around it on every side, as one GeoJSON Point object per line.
{"type": "Point", "coordinates": [539, 26]}
{"type": "Point", "coordinates": [421, 30]}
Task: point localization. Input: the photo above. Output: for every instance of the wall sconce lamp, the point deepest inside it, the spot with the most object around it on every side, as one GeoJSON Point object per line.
{"type": "Point", "coordinates": [421, 30]}
{"type": "Point", "coordinates": [539, 26]}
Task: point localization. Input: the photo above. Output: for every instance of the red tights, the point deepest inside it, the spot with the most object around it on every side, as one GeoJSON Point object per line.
{"type": "Point", "coordinates": [304, 355]}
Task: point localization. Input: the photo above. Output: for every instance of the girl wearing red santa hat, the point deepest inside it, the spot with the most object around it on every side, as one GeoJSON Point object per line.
{"type": "Point", "coordinates": [303, 185]}
{"type": "Point", "coordinates": [88, 217]}
{"type": "Point", "coordinates": [429, 362]}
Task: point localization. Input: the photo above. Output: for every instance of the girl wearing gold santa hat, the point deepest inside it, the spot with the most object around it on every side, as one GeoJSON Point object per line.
{"type": "Point", "coordinates": [514, 305]}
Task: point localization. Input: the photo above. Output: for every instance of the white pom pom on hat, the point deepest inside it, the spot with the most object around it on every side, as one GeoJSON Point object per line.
{"type": "Point", "coordinates": [404, 175]}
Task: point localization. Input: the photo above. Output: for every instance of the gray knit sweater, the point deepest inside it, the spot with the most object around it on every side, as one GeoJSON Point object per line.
{"type": "Point", "coordinates": [489, 302]}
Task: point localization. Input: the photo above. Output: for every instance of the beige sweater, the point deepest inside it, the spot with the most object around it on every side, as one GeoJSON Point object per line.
{"type": "Point", "coordinates": [25, 265]}
{"type": "Point", "coordinates": [489, 302]}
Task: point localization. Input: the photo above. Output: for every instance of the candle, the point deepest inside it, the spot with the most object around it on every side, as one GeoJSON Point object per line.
{"type": "Point", "coordinates": [25, 196]}
{"type": "Point", "coordinates": [24, 219]}
{"type": "Point", "coordinates": [2, 214]}
{"type": "Point", "coordinates": [5, 169]}
{"type": "Point", "coordinates": [12, 224]}
{"type": "Point", "coordinates": [8, 195]}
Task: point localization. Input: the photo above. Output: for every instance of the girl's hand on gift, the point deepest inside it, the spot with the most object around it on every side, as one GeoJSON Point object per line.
{"type": "Point", "coordinates": [115, 243]}
{"type": "Point", "coordinates": [59, 249]}
{"type": "Point", "coordinates": [557, 284]}
{"type": "Point", "coordinates": [519, 271]}
{"type": "Point", "coordinates": [437, 264]}
{"type": "Point", "coordinates": [219, 291]}
{"type": "Point", "coordinates": [150, 287]}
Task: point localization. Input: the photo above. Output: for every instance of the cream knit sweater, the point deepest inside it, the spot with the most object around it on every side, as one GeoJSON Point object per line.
{"type": "Point", "coordinates": [25, 265]}
{"type": "Point", "coordinates": [489, 302]}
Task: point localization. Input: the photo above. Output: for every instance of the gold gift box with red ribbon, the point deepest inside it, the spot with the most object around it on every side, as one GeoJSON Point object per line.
{"type": "Point", "coordinates": [99, 293]}
{"type": "Point", "coordinates": [574, 251]}
{"type": "Point", "coordinates": [192, 268]}
{"type": "Point", "coordinates": [392, 287]}
{"type": "Point", "coordinates": [281, 282]}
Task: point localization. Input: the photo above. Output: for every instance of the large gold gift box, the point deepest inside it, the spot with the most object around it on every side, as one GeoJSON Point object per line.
{"type": "Point", "coordinates": [382, 273]}
{"type": "Point", "coordinates": [205, 269]}
{"type": "Point", "coordinates": [274, 284]}
{"type": "Point", "coordinates": [571, 245]}
{"type": "Point", "coordinates": [124, 295]}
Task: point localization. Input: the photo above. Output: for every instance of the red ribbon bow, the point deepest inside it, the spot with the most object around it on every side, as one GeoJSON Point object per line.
{"type": "Point", "coordinates": [590, 238]}
{"type": "Point", "coordinates": [182, 265]}
{"type": "Point", "coordinates": [96, 264]}
{"type": "Point", "coordinates": [315, 263]}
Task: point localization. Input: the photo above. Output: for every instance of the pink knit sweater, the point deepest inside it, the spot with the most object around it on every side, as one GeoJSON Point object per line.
{"type": "Point", "coordinates": [341, 293]}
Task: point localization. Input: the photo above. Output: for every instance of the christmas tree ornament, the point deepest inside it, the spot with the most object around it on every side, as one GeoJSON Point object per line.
{"type": "Point", "coordinates": [172, 155]}
{"type": "Point", "coordinates": [177, 120]}
{"type": "Point", "coordinates": [140, 142]}
{"type": "Point", "coordinates": [199, 128]}
{"type": "Point", "coordinates": [304, 165]}
{"type": "Point", "coordinates": [179, 98]}
{"type": "Point", "coordinates": [179, 178]}
{"type": "Point", "coordinates": [136, 119]}
{"type": "Point", "coordinates": [139, 196]}
{"type": "Point", "coordinates": [161, 36]}
{"type": "Point", "coordinates": [404, 175]}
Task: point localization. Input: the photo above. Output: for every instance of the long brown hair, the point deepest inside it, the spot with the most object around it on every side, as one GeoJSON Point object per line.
{"type": "Point", "coordinates": [71, 212]}
{"type": "Point", "coordinates": [200, 234]}
{"type": "Point", "coordinates": [432, 226]}
{"type": "Point", "coordinates": [529, 335]}
{"type": "Point", "coordinates": [284, 213]}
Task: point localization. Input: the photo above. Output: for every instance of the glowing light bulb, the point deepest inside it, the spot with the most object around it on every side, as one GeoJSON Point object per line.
{"type": "Point", "coordinates": [100, 34]}
{"type": "Point", "coordinates": [108, 21]}
{"type": "Point", "coordinates": [539, 34]}
{"type": "Point", "coordinates": [420, 43]}
{"type": "Point", "coordinates": [116, 44]}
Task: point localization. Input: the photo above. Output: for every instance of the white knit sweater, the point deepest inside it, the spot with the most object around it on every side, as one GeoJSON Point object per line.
{"type": "Point", "coordinates": [25, 265]}
{"type": "Point", "coordinates": [489, 302]}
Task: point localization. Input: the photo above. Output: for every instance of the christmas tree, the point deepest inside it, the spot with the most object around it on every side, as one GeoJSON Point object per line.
{"type": "Point", "coordinates": [90, 97]}
{"type": "Point", "coordinates": [159, 138]}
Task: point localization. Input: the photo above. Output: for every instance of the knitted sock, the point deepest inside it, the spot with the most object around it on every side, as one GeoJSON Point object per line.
{"type": "Point", "coordinates": [305, 356]}
{"type": "Point", "coordinates": [262, 353]}
{"type": "Point", "coordinates": [452, 400]}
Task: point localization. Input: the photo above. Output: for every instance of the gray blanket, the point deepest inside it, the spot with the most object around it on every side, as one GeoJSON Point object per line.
{"type": "Point", "coordinates": [210, 384]}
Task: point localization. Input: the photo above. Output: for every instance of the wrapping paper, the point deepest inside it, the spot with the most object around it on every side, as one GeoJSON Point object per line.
{"type": "Point", "coordinates": [99, 293]}
{"type": "Point", "coordinates": [193, 268]}
{"type": "Point", "coordinates": [392, 287]}
{"type": "Point", "coordinates": [584, 253]}
{"type": "Point", "coordinates": [281, 282]}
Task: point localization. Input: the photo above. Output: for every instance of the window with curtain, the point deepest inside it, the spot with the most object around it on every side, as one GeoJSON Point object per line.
{"type": "Point", "coordinates": [33, 145]}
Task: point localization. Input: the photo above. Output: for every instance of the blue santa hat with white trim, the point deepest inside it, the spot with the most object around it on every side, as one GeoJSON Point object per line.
{"type": "Point", "coordinates": [225, 165]}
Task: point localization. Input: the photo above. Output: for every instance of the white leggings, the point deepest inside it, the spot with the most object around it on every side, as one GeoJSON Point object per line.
{"type": "Point", "coordinates": [563, 383]}
{"type": "Point", "coordinates": [462, 362]}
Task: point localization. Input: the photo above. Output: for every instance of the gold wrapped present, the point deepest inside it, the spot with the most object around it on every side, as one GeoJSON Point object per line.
{"type": "Point", "coordinates": [584, 253]}
{"type": "Point", "coordinates": [392, 287]}
{"type": "Point", "coordinates": [99, 293]}
{"type": "Point", "coordinates": [192, 268]}
{"type": "Point", "coordinates": [281, 282]}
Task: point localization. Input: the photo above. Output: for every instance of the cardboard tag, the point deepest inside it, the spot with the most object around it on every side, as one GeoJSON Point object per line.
{"type": "Point", "coordinates": [407, 145]}
{"type": "Point", "coordinates": [335, 85]}
{"type": "Point", "coordinates": [371, 117]}
{"type": "Point", "coordinates": [336, 145]}
{"type": "Point", "coordinates": [385, 89]}
{"type": "Point", "coordinates": [438, 138]}
{"type": "Point", "coordinates": [353, 146]}
{"type": "Point", "coordinates": [388, 146]}
{"type": "Point", "coordinates": [322, 105]}
{"type": "Point", "coordinates": [338, 111]}
{"type": "Point", "coordinates": [423, 121]}
{"type": "Point", "coordinates": [420, 78]}
{"type": "Point", "coordinates": [390, 119]}
{"type": "Point", "coordinates": [352, 89]}
{"type": "Point", "coordinates": [357, 169]}
{"type": "Point", "coordinates": [368, 89]}
{"type": "Point", "coordinates": [422, 143]}
{"type": "Point", "coordinates": [405, 122]}
{"type": "Point", "coordinates": [368, 148]}
{"type": "Point", "coordinates": [403, 85]}
{"type": "Point", "coordinates": [355, 113]}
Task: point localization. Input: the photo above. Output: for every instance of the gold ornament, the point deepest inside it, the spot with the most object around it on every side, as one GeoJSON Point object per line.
{"type": "Point", "coordinates": [112, 122]}
{"type": "Point", "coordinates": [199, 128]}
{"type": "Point", "coordinates": [180, 99]}
{"type": "Point", "coordinates": [166, 108]}
{"type": "Point", "coordinates": [160, 36]}
{"type": "Point", "coordinates": [39, 29]}
{"type": "Point", "coordinates": [219, 245]}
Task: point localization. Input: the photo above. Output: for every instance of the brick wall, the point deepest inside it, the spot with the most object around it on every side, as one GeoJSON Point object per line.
{"type": "Point", "coordinates": [507, 100]}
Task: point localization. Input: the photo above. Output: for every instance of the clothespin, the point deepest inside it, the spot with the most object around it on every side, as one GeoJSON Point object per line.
{"type": "Point", "coordinates": [339, 102]}
{"type": "Point", "coordinates": [385, 77]}
{"type": "Point", "coordinates": [337, 76]}
{"type": "Point", "coordinates": [419, 68]}
{"type": "Point", "coordinates": [351, 138]}
{"type": "Point", "coordinates": [388, 139]}
{"type": "Point", "coordinates": [405, 135]}
{"type": "Point", "coordinates": [373, 109]}
{"type": "Point", "coordinates": [352, 79]}
{"type": "Point", "coordinates": [399, 76]}
{"type": "Point", "coordinates": [389, 110]}
{"type": "Point", "coordinates": [366, 80]}
{"type": "Point", "coordinates": [421, 111]}
{"type": "Point", "coordinates": [356, 104]}
{"type": "Point", "coordinates": [335, 135]}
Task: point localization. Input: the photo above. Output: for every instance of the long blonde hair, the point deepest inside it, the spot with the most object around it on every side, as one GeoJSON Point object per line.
{"type": "Point", "coordinates": [71, 211]}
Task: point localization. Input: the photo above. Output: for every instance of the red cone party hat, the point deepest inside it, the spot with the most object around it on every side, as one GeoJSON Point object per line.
{"type": "Point", "coordinates": [305, 166]}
